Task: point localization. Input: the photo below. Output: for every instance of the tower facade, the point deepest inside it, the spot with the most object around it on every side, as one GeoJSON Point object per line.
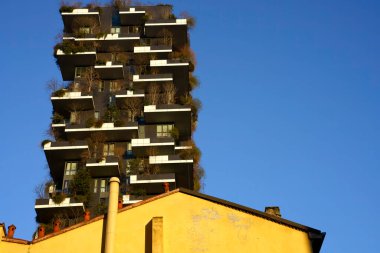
{"type": "Point", "coordinates": [125, 109]}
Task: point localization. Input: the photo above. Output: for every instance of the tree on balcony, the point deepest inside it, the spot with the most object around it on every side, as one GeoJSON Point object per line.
{"type": "Point", "coordinates": [91, 78]}
{"type": "Point", "coordinates": [168, 94]}
{"type": "Point", "coordinates": [153, 96]}
{"type": "Point", "coordinates": [134, 107]}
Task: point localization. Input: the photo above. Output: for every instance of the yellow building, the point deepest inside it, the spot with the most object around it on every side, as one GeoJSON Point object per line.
{"type": "Point", "coordinates": [178, 221]}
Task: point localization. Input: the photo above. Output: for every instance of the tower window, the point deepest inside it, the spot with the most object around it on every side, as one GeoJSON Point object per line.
{"type": "Point", "coordinates": [164, 130]}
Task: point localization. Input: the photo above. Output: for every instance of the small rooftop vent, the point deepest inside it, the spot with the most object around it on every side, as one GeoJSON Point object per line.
{"type": "Point", "coordinates": [273, 210]}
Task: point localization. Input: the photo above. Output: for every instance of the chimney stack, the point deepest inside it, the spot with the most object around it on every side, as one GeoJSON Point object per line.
{"type": "Point", "coordinates": [56, 226]}
{"type": "Point", "coordinates": [41, 231]}
{"type": "Point", "coordinates": [87, 215]}
{"type": "Point", "coordinates": [166, 186]}
{"type": "Point", "coordinates": [11, 231]}
{"type": "Point", "coordinates": [273, 210]}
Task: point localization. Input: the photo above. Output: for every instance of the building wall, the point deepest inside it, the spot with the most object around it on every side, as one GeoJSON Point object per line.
{"type": "Point", "coordinates": [190, 224]}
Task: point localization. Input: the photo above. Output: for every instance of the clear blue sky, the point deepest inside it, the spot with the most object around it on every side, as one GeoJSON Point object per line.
{"type": "Point", "coordinates": [290, 117]}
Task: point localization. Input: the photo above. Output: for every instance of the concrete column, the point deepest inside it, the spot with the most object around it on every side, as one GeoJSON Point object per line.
{"type": "Point", "coordinates": [111, 215]}
{"type": "Point", "coordinates": [157, 235]}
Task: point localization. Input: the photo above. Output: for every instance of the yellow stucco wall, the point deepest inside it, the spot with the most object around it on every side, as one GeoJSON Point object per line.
{"type": "Point", "coordinates": [190, 224]}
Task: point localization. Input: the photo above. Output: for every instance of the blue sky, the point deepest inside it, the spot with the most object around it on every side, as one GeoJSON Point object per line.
{"type": "Point", "coordinates": [290, 93]}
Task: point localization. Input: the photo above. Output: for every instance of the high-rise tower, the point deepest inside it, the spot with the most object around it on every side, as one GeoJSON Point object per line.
{"type": "Point", "coordinates": [125, 110]}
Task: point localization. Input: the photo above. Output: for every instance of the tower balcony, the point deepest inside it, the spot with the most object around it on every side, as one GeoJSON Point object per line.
{"type": "Point", "coordinates": [152, 184]}
{"type": "Point", "coordinates": [180, 115]}
{"type": "Point", "coordinates": [183, 168]}
{"type": "Point", "coordinates": [57, 153]}
{"type": "Point", "coordinates": [121, 97]}
{"type": "Point", "coordinates": [131, 16]}
{"type": "Point", "coordinates": [152, 49]}
{"type": "Point", "coordinates": [178, 28]}
{"type": "Point", "coordinates": [106, 167]}
{"type": "Point", "coordinates": [110, 70]}
{"type": "Point", "coordinates": [143, 146]}
{"type": "Point", "coordinates": [123, 41]}
{"type": "Point", "coordinates": [46, 209]}
{"type": "Point", "coordinates": [71, 101]}
{"type": "Point", "coordinates": [68, 62]}
{"type": "Point", "coordinates": [168, 63]}
{"type": "Point", "coordinates": [143, 81]}
{"type": "Point", "coordinates": [72, 18]}
{"type": "Point", "coordinates": [111, 132]}
{"type": "Point", "coordinates": [178, 68]}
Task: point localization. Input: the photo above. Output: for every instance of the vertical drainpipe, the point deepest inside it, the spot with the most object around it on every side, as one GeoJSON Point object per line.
{"type": "Point", "coordinates": [111, 215]}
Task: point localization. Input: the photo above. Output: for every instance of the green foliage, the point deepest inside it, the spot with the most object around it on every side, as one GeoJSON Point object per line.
{"type": "Point", "coordinates": [72, 47]}
{"type": "Point", "coordinates": [198, 176]}
{"type": "Point", "coordinates": [58, 198]}
{"type": "Point", "coordinates": [135, 166]}
{"type": "Point", "coordinates": [119, 123]}
{"type": "Point", "coordinates": [112, 114]}
{"type": "Point", "coordinates": [90, 122]}
{"type": "Point", "coordinates": [59, 93]}
{"type": "Point", "coordinates": [100, 62]}
{"type": "Point", "coordinates": [193, 81]}
{"type": "Point", "coordinates": [98, 123]}
{"type": "Point", "coordinates": [80, 185]}
{"type": "Point", "coordinates": [66, 8]}
{"type": "Point", "coordinates": [175, 133]}
{"type": "Point", "coordinates": [57, 118]}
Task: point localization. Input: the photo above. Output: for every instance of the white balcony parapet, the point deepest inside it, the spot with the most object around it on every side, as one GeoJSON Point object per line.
{"type": "Point", "coordinates": [127, 200]}
{"type": "Point", "coordinates": [136, 78]}
{"type": "Point", "coordinates": [182, 147]}
{"type": "Point", "coordinates": [108, 65]}
{"type": "Point", "coordinates": [104, 127]}
{"type": "Point", "coordinates": [64, 203]}
{"type": "Point", "coordinates": [179, 21]}
{"type": "Point", "coordinates": [60, 52]}
{"type": "Point", "coordinates": [81, 11]}
{"type": "Point", "coordinates": [143, 142]}
{"type": "Point", "coordinates": [58, 125]}
{"type": "Point", "coordinates": [133, 180]}
{"type": "Point", "coordinates": [102, 163]}
{"type": "Point", "coordinates": [72, 95]}
{"type": "Point", "coordinates": [148, 49]}
{"type": "Point", "coordinates": [164, 63]}
{"type": "Point", "coordinates": [164, 159]}
{"type": "Point", "coordinates": [130, 94]}
{"type": "Point", "coordinates": [153, 108]}
{"type": "Point", "coordinates": [47, 146]}
{"type": "Point", "coordinates": [132, 11]}
{"type": "Point", "coordinates": [110, 36]}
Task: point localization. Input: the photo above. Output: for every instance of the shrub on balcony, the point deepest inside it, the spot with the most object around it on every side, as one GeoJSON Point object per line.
{"type": "Point", "coordinates": [193, 81]}
{"type": "Point", "coordinates": [58, 198]}
{"type": "Point", "coordinates": [98, 123]}
{"type": "Point", "coordinates": [118, 123]}
{"type": "Point", "coordinates": [66, 8]}
{"type": "Point", "coordinates": [101, 62]}
{"type": "Point", "coordinates": [59, 93]}
{"type": "Point", "coordinates": [90, 122]}
{"type": "Point", "coordinates": [80, 186]}
{"type": "Point", "coordinates": [57, 118]}
{"type": "Point", "coordinates": [44, 142]}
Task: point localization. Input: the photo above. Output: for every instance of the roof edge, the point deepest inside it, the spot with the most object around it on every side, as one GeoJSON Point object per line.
{"type": "Point", "coordinates": [251, 211]}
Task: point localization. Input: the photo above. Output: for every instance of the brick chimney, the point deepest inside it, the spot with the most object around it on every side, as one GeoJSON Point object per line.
{"type": "Point", "coordinates": [11, 231]}
{"type": "Point", "coordinates": [166, 186]}
{"type": "Point", "coordinates": [56, 226]}
{"type": "Point", "coordinates": [273, 210]}
{"type": "Point", "coordinates": [41, 231]}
